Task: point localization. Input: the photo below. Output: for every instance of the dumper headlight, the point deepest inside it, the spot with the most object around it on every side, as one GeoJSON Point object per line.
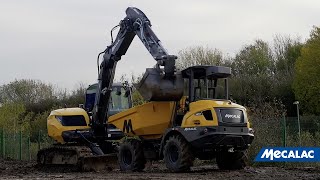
{"type": "Point", "coordinates": [251, 131]}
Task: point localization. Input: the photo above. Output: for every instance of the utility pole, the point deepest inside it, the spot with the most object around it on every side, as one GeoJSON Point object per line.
{"type": "Point", "coordinates": [298, 116]}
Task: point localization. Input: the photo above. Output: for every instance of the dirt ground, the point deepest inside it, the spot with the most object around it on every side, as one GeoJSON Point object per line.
{"type": "Point", "coordinates": [10, 169]}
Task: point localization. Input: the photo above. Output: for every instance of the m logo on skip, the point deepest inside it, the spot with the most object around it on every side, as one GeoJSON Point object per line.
{"type": "Point", "coordinates": [127, 127]}
{"type": "Point", "coordinates": [281, 154]}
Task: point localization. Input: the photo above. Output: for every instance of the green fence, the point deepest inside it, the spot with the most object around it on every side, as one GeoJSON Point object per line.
{"type": "Point", "coordinates": [284, 132]}
{"type": "Point", "coordinates": [20, 146]}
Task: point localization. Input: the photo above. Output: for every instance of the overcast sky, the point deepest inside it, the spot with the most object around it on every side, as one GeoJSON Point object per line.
{"type": "Point", "coordinates": [57, 41]}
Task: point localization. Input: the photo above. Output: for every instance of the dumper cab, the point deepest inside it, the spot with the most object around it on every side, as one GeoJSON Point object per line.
{"type": "Point", "coordinates": [211, 120]}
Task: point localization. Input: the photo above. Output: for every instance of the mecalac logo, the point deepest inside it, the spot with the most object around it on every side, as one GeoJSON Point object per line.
{"type": "Point", "coordinates": [232, 116]}
{"type": "Point", "coordinates": [290, 154]}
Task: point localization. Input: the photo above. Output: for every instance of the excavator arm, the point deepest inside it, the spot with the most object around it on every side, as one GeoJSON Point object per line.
{"type": "Point", "coordinates": [135, 23]}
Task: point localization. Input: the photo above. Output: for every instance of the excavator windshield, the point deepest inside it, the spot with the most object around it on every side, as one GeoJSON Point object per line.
{"type": "Point", "coordinates": [118, 100]}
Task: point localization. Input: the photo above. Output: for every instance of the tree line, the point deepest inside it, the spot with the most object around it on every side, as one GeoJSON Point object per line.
{"type": "Point", "coordinates": [25, 104]}
{"type": "Point", "coordinates": [276, 74]}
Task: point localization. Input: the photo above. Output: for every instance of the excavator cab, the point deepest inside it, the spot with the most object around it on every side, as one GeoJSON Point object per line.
{"type": "Point", "coordinates": [71, 124]}
{"type": "Point", "coordinates": [71, 128]}
{"type": "Point", "coordinates": [120, 99]}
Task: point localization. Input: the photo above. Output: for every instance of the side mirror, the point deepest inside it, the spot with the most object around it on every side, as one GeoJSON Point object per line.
{"type": "Point", "coordinates": [231, 98]}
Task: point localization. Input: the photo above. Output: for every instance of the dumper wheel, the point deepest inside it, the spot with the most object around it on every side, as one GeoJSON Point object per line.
{"type": "Point", "coordinates": [177, 154]}
{"type": "Point", "coordinates": [130, 156]}
{"type": "Point", "coordinates": [230, 160]}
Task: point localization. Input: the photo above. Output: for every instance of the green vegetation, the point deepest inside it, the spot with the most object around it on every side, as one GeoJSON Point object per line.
{"type": "Point", "coordinates": [26, 104]}
{"type": "Point", "coordinates": [307, 71]}
{"type": "Point", "coordinates": [261, 73]}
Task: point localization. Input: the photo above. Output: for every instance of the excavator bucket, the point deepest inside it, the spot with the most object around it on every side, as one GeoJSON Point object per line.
{"type": "Point", "coordinates": [154, 86]}
{"type": "Point", "coordinates": [98, 163]}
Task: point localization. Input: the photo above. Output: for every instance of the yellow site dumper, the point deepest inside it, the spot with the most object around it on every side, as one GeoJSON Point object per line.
{"type": "Point", "coordinates": [203, 124]}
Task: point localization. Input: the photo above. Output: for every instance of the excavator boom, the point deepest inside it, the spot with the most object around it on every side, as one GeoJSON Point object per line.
{"type": "Point", "coordinates": [135, 23]}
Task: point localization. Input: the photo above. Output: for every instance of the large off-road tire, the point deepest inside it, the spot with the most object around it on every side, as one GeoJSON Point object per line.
{"type": "Point", "coordinates": [230, 160]}
{"type": "Point", "coordinates": [130, 156]}
{"type": "Point", "coordinates": [177, 154]}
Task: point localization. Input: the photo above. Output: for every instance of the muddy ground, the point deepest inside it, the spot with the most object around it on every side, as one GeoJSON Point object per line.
{"type": "Point", "coordinates": [10, 169]}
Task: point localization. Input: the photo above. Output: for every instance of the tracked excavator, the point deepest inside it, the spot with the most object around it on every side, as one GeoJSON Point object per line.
{"type": "Point", "coordinates": [75, 143]}
{"type": "Point", "coordinates": [188, 114]}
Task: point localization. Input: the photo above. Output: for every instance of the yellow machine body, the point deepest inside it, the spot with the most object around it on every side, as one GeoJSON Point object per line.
{"type": "Point", "coordinates": [150, 120]}
{"type": "Point", "coordinates": [194, 116]}
{"type": "Point", "coordinates": [55, 127]}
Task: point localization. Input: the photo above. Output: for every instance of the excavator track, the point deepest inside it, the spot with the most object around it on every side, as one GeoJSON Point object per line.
{"type": "Point", "coordinates": [80, 157]}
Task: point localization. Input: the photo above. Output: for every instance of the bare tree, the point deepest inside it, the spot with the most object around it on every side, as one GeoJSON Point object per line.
{"type": "Point", "coordinates": [199, 55]}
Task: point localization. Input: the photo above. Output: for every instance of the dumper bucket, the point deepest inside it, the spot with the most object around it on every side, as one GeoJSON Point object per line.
{"type": "Point", "coordinates": [154, 86]}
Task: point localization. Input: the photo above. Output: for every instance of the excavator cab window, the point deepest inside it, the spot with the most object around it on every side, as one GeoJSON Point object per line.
{"type": "Point", "coordinates": [118, 92]}
{"type": "Point", "coordinates": [90, 97]}
{"type": "Point", "coordinates": [119, 100]}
